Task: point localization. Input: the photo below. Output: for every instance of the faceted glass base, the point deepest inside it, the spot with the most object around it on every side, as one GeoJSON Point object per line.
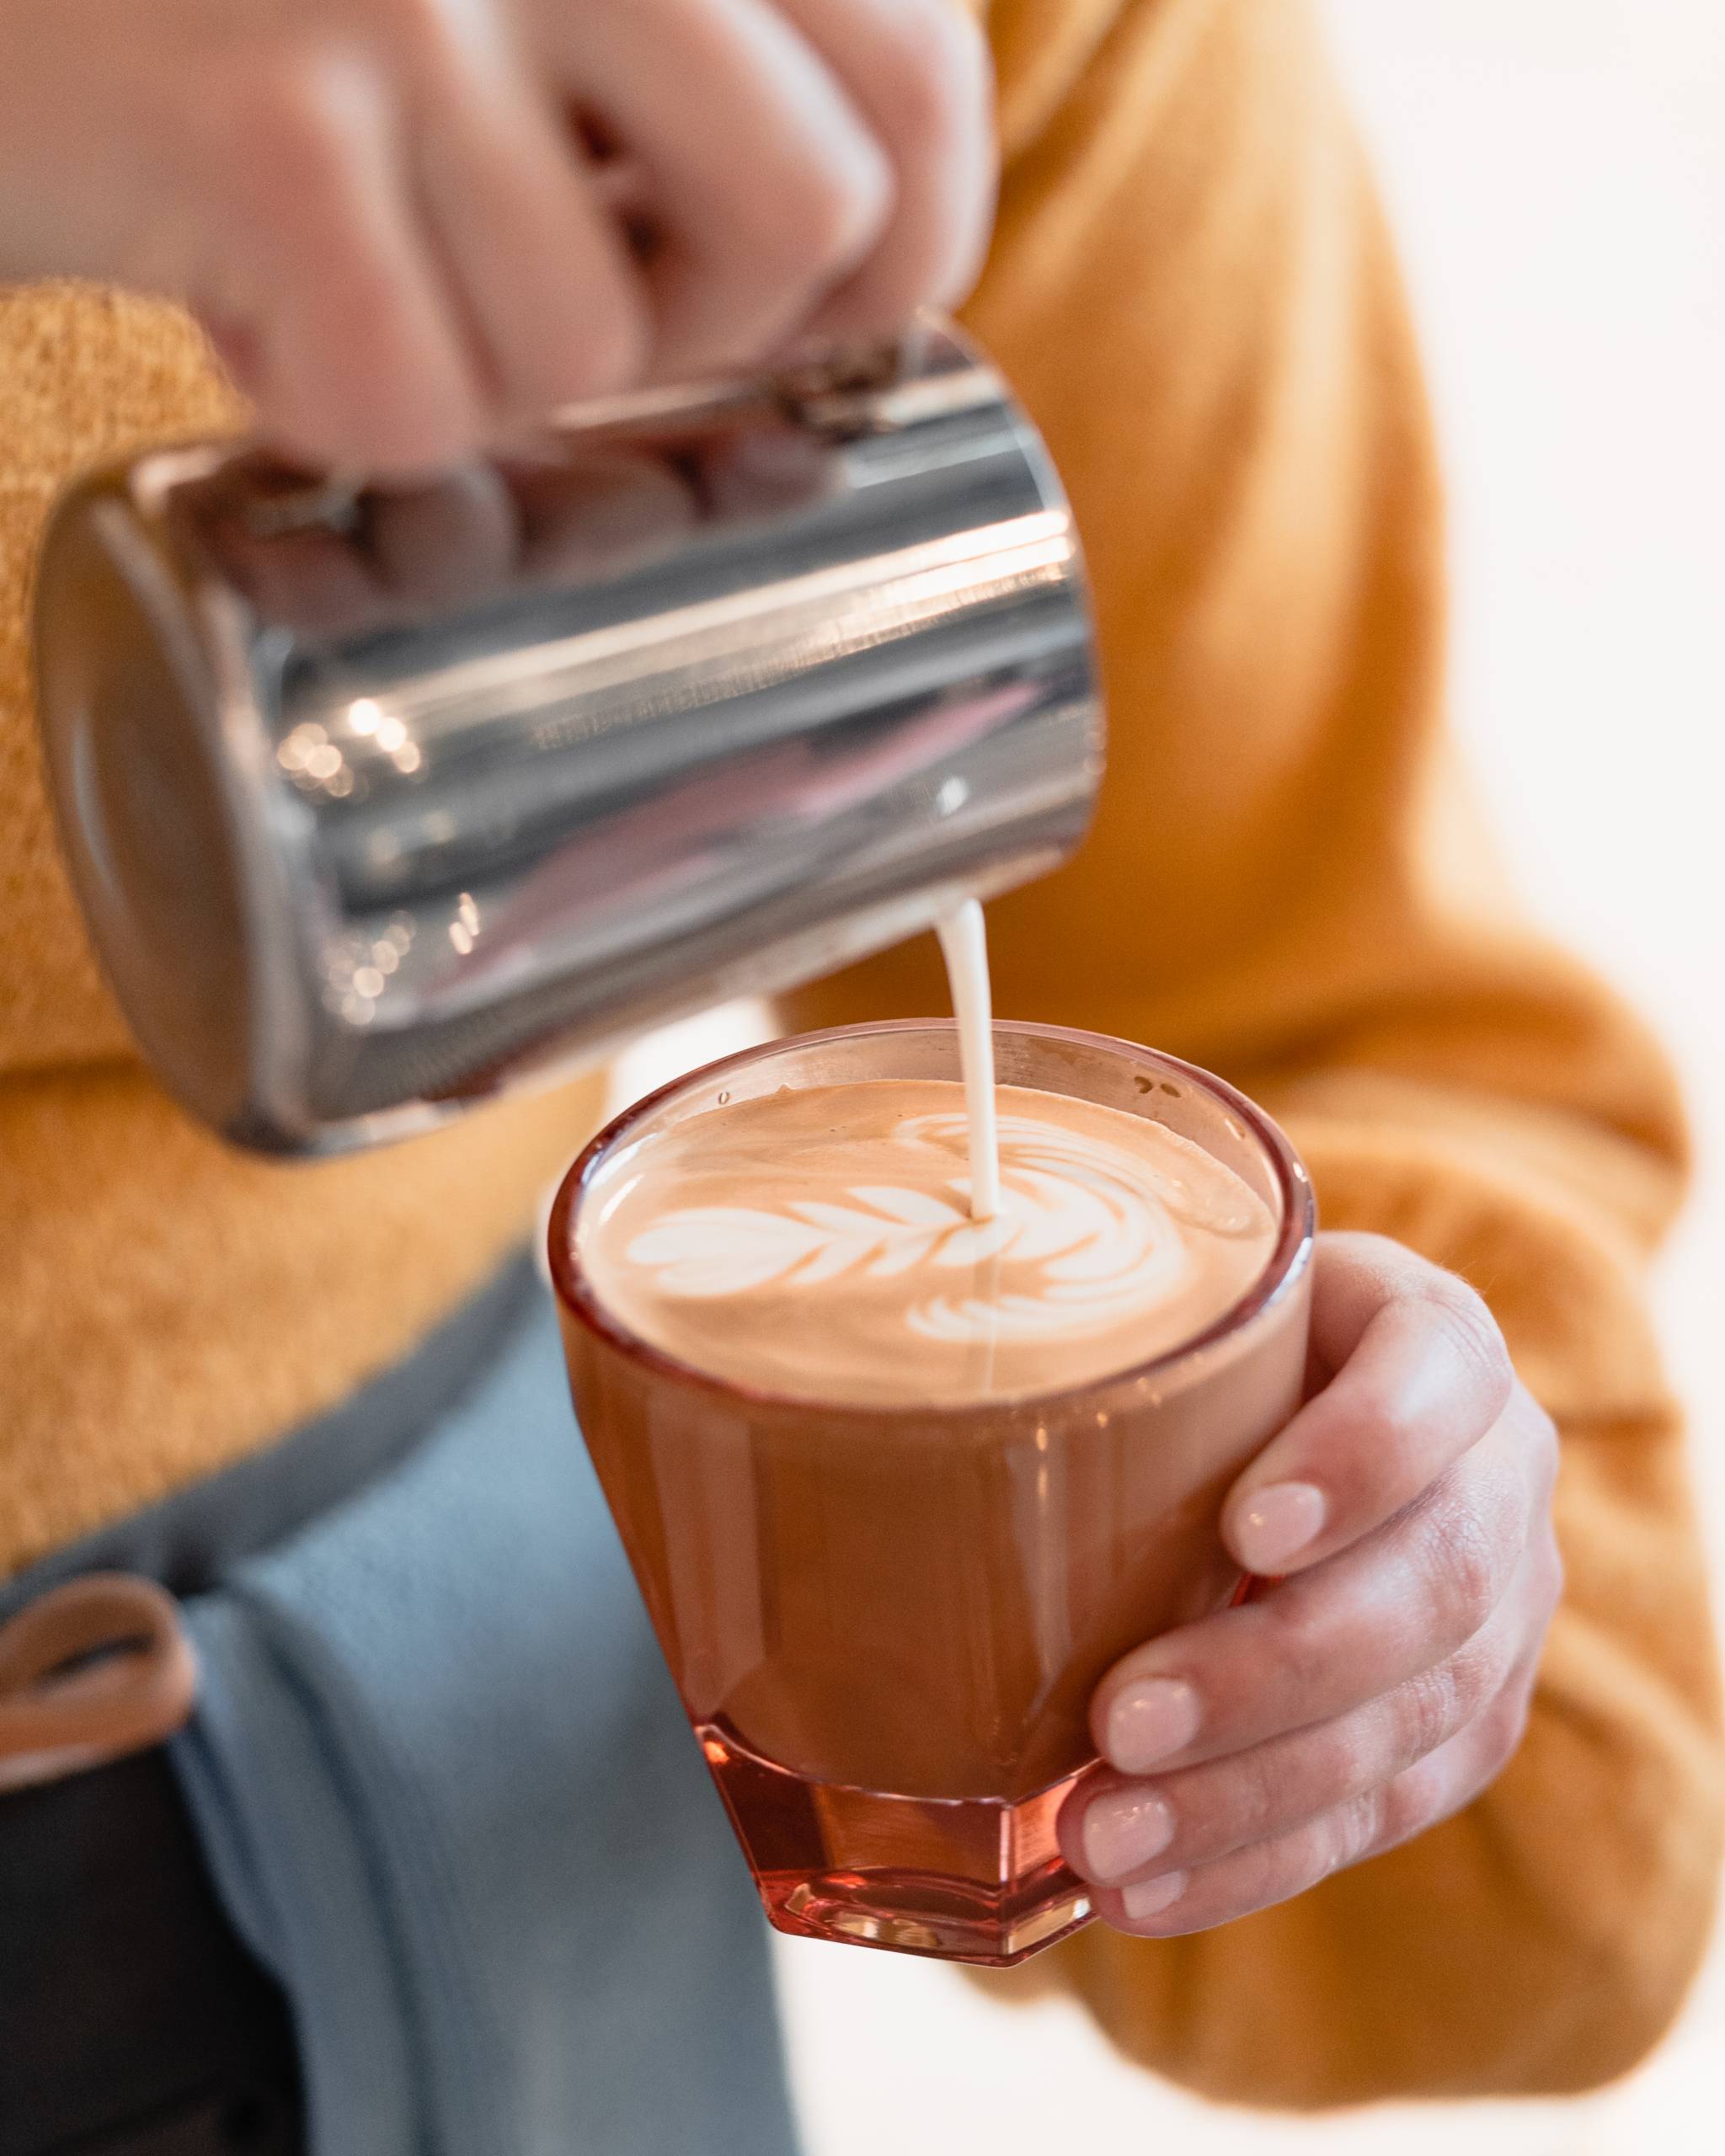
{"type": "Point", "coordinates": [965, 1879]}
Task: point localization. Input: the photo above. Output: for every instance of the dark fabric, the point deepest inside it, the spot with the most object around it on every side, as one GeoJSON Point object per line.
{"type": "Point", "coordinates": [192, 1540]}
{"type": "Point", "coordinates": [132, 2021]}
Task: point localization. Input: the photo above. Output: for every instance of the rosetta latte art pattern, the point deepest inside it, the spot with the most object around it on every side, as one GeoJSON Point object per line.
{"type": "Point", "coordinates": [817, 1242]}
{"type": "Point", "coordinates": [1087, 1234]}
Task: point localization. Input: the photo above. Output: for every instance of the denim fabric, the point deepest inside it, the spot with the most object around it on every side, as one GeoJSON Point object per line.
{"type": "Point", "coordinates": [450, 1799]}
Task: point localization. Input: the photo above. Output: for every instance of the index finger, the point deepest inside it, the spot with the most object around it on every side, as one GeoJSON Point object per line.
{"type": "Point", "coordinates": [1420, 1374]}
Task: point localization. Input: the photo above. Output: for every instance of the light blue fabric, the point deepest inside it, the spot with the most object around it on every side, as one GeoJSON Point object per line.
{"type": "Point", "coordinates": [451, 1799]}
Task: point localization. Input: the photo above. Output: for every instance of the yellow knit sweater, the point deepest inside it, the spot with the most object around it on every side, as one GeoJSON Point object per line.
{"type": "Point", "coordinates": [1193, 288]}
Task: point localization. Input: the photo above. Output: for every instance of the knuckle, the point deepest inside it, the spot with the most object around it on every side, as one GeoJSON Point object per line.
{"type": "Point", "coordinates": [1465, 1568]}
{"type": "Point", "coordinates": [1485, 1666]}
{"type": "Point", "coordinates": [1474, 1334]}
{"type": "Point", "coordinates": [1430, 1708]}
{"type": "Point", "coordinates": [828, 221]}
{"type": "Point", "coordinates": [1395, 1467]}
{"type": "Point", "coordinates": [1268, 1790]}
{"type": "Point", "coordinates": [1250, 1808]}
{"type": "Point", "coordinates": [1354, 1829]}
{"type": "Point", "coordinates": [1297, 1643]}
{"type": "Point", "coordinates": [1472, 1679]}
{"type": "Point", "coordinates": [1407, 1805]}
{"type": "Point", "coordinates": [1344, 1760]}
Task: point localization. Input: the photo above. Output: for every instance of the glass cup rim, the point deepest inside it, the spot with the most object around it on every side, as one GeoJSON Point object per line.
{"type": "Point", "coordinates": [1284, 1266]}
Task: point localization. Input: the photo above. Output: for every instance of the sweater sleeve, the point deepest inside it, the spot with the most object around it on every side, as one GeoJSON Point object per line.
{"type": "Point", "coordinates": [1193, 288]}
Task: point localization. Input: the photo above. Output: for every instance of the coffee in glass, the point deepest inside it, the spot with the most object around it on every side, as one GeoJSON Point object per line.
{"type": "Point", "coordinates": [898, 1484]}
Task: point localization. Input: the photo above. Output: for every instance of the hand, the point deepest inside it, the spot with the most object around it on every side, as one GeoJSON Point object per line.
{"type": "Point", "coordinates": [1383, 1681]}
{"type": "Point", "coordinates": [411, 223]}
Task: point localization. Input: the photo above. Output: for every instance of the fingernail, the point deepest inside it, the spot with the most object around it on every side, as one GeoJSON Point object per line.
{"type": "Point", "coordinates": [1123, 1829]}
{"type": "Point", "coordinates": [1148, 1720]}
{"type": "Point", "coordinates": [1277, 1524]}
{"type": "Point", "coordinates": [1150, 1897]}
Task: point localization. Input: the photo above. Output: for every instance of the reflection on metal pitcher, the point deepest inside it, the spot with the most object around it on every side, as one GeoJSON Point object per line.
{"type": "Point", "coordinates": [378, 799]}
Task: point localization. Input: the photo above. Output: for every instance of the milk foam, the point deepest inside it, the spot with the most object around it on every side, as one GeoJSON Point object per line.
{"type": "Point", "coordinates": [823, 1241]}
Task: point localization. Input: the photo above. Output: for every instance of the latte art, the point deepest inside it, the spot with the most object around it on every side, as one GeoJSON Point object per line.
{"type": "Point", "coordinates": [1090, 1231]}
{"type": "Point", "coordinates": [824, 1240]}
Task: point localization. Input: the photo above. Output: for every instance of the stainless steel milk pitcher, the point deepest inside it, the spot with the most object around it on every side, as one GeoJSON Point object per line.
{"type": "Point", "coordinates": [378, 799]}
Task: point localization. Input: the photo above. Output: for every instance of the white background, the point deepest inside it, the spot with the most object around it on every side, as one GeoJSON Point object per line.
{"type": "Point", "coordinates": [1557, 171]}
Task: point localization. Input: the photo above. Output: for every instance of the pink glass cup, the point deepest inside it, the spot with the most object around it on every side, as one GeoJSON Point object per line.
{"type": "Point", "coordinates": [885, 1624]}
